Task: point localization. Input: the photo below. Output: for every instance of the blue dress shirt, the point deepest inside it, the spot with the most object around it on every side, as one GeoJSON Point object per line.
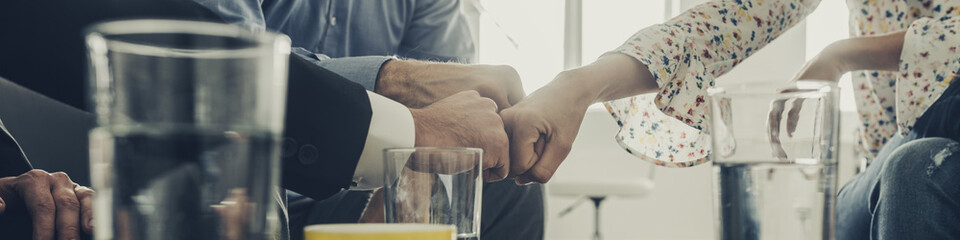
{"type": "Point", "coordinates": [355, 37]}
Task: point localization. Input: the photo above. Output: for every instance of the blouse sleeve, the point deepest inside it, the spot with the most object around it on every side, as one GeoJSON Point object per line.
{"type": "Point", "coordinates": [684, 55]}
{"type": "Point", "coordinates": [928, 63]}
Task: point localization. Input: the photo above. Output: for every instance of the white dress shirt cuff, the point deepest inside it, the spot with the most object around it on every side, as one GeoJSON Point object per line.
{"type": "Point", "coordinates": [391, 126]}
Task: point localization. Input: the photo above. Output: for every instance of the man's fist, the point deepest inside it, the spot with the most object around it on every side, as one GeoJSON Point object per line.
{"type": "Point", "coordinates": [58, 206]}
{"type": "Point", "coordinates": [466, 120]}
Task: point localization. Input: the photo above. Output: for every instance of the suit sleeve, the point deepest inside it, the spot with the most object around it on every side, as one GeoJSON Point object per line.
{"type": "Point", "coordinates": [326, 128]}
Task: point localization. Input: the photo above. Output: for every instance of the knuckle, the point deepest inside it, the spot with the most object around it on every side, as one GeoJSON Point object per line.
{"type": "Point", "coordinates": [471, 93]}
{"type": "Point", "coordinates": [540, 175]}
{"type": "Point", "coordinates": [36, 173]}
{"type": "Point", "coordinates": [84, 191]}
{"type": "Point", "coordinates": [489, 104]}
{"type": "Point", "coordinates": [67, 201]}
{"type": "Point", "coordinates": [69, 230]}
{"type": "Point", "coordinates": [60, 176]}
{"type": "Point", "coordinates": [30, 179]}
{"type": "Point", "coordinates": [509, 71]}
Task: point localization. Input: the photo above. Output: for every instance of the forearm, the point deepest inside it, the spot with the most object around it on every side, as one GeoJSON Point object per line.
{"type": "Point", "coordinates": [878, 53]}
{"type": "Point", "coordinates": [683, 50]}
{"type": "Point", "coordinates": [612, 76]}
{"type": "Point", "coordinates": [395, 79]}
{"type": "Point", "coordinates": [405, 79]}
{"type": "Point", "coordinates": [420, 83]}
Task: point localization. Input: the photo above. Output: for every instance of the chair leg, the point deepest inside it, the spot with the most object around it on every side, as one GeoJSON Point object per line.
{"type": "Point", "coordinates": [596, 216]}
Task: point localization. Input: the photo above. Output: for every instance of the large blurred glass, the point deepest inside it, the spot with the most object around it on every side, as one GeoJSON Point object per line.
{"type": "Point", "coordinates": [189, 118]}
{"type": "Point", "coordinates": [775, 159]}
{"type": "Point", "coordinates": [434, 185]}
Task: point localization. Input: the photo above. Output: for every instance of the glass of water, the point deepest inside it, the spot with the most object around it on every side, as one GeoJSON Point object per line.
{"type": "Point", "coordinates": [774, 160]}
{"type": "Point", "coordinates": [189, 117]}
{"type": "Point", "coordinates": [436, 186]}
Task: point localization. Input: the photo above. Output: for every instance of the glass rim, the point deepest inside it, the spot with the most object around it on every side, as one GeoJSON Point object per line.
{"type": "Point", "coordinates": [433, 149]}
{"type": "Point", "coordinates": [102, 36]}
{"type": "Point", "coordinates": [172, 26]}
{"type": "Point", "coordinates": [809, 89]}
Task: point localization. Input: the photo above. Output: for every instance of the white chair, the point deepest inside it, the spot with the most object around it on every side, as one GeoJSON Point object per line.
{"type": "Point", "coordinates": [596, 147]}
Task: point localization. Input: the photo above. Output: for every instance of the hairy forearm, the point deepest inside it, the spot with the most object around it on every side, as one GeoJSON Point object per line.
{"type": "Point", "coordinates": [394, 80]}
{"type": "Point", "coordinates": [419, 83]}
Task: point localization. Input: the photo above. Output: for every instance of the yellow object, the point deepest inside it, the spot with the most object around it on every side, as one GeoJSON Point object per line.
{"type": "Point", "coordinates": [397, 231]}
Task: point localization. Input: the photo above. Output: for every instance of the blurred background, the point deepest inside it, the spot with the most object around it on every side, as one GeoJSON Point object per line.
{"type": "Point", "coordinates": [540, 38]}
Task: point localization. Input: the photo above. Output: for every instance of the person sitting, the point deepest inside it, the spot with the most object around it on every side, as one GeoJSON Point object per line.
{"type": "Point", "coordinates": [680, 59]}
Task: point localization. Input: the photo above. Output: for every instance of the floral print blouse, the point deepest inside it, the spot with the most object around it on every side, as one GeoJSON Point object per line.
{"type": "Point", "coordinates": [687, 53]}
{"type": "Point", "coordinates": [889, 102]}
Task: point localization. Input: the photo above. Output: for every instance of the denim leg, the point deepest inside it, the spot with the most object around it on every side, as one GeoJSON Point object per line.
{"type": "Point", "coordinates": [854, 208]}
{"type": "Point", "coordinates": [919, 193]}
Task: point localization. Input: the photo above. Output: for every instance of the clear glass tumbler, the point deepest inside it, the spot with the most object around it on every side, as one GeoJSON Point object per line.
{"type": "Point", "coordinates": [189, 117]}
{"type": "Point", "coordinates": [434, 185]}
{"type": "Point", "coordinates": [774, 160]}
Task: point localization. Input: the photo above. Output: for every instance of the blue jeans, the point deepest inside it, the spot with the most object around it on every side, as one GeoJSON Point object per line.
{"type": "Point", "coordinates": [912, 189]}
{"type": "Point", "coordinates": [919, 192]}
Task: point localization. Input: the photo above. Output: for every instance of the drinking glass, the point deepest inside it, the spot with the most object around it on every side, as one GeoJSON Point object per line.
{"type": "Point", "coordinates": [189, 117]}
{"type": "Point", "coordinates": [774, 160]}
{"type": "Point", "coordinates": [434, 185]}
{"type": "Point", "coordinates": [369, 231]}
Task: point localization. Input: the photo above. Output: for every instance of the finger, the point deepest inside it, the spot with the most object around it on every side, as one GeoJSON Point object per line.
{"type": "Point", "coordinates": [68, 207]}
{"type": "Point", "coordinates": [554, 154]}
{"type": "Point", "coordinates": [498, 166]}
{"type": "Point", "coordinates": [3, 206]}
{"type": "Point", "coordinates": [497, 94]}
{"type": "Point", "coordinates": [773, 127]}
{"type": "Point", "coordinates": [476, 101]}
{"type": "Point", "coordinates": [495, 144]}
{"type": "Point", "coordinates": [85, 196]}
{"type": "Point", "coordinates": [490, 105]}
{"type": "Point", "coordinates": [34, 186]}
{"type": "Point", "coordinates": [793, 116]}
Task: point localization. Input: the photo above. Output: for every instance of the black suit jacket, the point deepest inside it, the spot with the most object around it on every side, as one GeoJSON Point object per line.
{"type": "Point", "coordinates": [12, 163]}
{"type": "Point", "coordinates": [42, 48]}
{"type": "Point", "coordinates": [12, 160]}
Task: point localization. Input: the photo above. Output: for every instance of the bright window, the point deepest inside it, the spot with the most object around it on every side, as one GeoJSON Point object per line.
{"type": "Point", "coordinates": [528, 34]}
{"type": "Point", "coordinates": [825, 26]}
